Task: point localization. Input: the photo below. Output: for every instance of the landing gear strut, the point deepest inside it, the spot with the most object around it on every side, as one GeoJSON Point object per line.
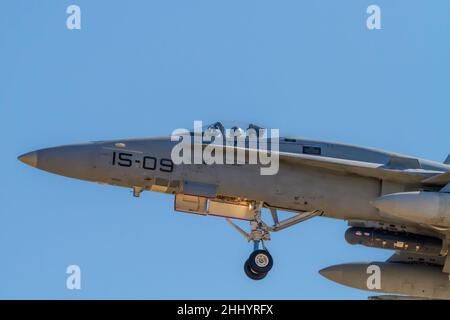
{"type": "Point", "coordinates": [260, 262]}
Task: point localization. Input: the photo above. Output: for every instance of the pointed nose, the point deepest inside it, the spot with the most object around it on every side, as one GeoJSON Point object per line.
{"type": "Point", "coordinates": [74, 161]}
{"type": "Point", "coordinates": [381, 203]}
{"type": "Point", "coordinates": [387, 203]}
{"type": "Point", "coordinates": [30, 158]}
{"type": "Point", "coordinates": [333, 273]}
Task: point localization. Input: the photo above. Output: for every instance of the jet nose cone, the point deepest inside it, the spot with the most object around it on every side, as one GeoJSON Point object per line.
{"type": "Point", "coordinates": [385, 203]}
{"type": "Point", "coordinates": [333, 273]}
{"type": "Point", "coordinates": [378, 203]}
{"type": "Point", "coordinates": [30, 158]}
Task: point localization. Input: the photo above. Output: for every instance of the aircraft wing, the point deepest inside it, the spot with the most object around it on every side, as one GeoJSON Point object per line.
{"type": "Point", "coordinates": [440, 179]}
{"type": "Point", "coordinates": [399, 169]}
{"type": "Point", "coordinates": [391, 171]}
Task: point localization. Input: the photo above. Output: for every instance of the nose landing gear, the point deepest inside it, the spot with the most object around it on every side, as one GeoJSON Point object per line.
{"type": "Point", "coordinates": [260, 262]}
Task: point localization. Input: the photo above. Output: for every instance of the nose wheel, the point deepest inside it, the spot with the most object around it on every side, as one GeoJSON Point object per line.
{"type": "Point", "coordinates": [260, 261]}
{"type": "Point", "coordinates": [252, 274]}
{"type": "Point", "coordinates": [258, 264]}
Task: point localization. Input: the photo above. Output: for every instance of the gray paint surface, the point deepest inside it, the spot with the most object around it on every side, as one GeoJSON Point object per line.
{"type": "Point", "coordinates": [343, 182]}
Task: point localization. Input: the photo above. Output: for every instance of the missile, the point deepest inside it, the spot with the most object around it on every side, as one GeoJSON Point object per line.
{"type": "Point", "coordinates": [396, 298]}
{"type": "Point", "coordinates": [400, 241]}
{"type": "Point", "coordinates": [423, 207]}
{"type": "Point", "coordinates": [425, 281]}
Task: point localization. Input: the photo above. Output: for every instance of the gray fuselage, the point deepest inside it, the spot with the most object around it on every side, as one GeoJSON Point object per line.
{"type": "Point", "coordinates": [146, 163]}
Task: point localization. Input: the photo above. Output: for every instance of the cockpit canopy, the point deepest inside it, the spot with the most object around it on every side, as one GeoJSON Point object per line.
{"type": "Point", "coordinates": [237, 129]}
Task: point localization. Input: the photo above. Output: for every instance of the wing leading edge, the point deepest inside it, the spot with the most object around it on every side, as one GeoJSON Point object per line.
{"type": "Point", "coordinates": [398, 169]}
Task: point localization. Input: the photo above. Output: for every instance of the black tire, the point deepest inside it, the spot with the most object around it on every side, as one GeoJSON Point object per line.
{"type": "Point", "coordinates": [260, 261]}
{"type": "Point", "coordinates": [253, 274]}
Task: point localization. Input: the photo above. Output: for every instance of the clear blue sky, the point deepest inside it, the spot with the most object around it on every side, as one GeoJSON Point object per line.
{"type": "Point", "coordinates": [144, 68]}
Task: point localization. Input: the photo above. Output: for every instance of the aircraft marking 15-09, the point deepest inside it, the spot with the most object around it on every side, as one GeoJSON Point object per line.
{"type": "Point", "coordinates": [124, 159]}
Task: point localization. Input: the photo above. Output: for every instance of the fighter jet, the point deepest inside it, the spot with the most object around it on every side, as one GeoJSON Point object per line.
{"type": "Point", "coordinates": [390, 201]}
